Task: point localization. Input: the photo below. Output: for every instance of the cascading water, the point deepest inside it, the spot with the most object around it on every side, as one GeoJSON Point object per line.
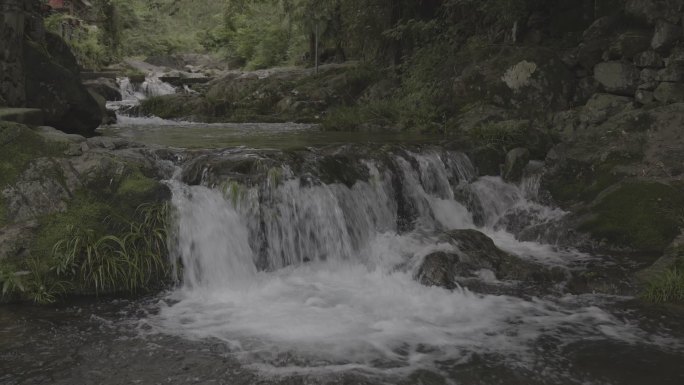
{"type": "Point", "coordinates": [133, 93]}
{"type": "Point", "coordinates": [300, 271]}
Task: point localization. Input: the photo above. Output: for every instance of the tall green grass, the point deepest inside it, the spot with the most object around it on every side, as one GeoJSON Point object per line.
{"type": "Point", "coordinates": [666, 288]}
{"type": "Point", "coordinates": [131, 259]}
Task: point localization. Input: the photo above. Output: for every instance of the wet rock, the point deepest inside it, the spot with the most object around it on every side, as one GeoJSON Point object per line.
{"type": "Point", "coordinates": [669, 92]}
{"type": "Point", "coordinates": [617, 77]}
{"type": "Point", "coordinates": [665, 36]}
{"type": "Point", "coordinates": [515, 163]}
{"type": "Point", "coordinates": [476, 256]}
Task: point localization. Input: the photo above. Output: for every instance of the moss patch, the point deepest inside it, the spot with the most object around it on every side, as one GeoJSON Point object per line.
{"type": "Point", "coordinates": [19, 145]}
{"type": "Point", "coordinates": [641, 215]}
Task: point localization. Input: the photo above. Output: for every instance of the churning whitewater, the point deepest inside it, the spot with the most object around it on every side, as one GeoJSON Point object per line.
{"type": "Point", "coordinates": [299, 275]}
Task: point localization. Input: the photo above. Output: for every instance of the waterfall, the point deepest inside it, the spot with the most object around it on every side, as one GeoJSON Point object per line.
{"type": "Point", "coordinates": [298, 271]}
{"type": "Point", "coordinates": [133, 93]}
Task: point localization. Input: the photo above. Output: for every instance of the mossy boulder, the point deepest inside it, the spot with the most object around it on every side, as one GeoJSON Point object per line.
{"type": "Point", "coordinates": [641, 215]}
{"type": "Point", "coordinates": [107, 195]}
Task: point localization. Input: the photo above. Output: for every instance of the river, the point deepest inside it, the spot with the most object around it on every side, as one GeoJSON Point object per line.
{"type": "Point", "coordinates": [300, 252]}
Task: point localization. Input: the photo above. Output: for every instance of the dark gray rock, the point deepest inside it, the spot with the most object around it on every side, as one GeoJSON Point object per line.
{"type": "Point", "coordinates": [602, 106]}
{"type": "Point", "coordinates": [672, 73]}
{"type": "Point", "coordinates": [617, 77]}
{"type": "Point", "coordinates": [669, 92]}
{"type": "Point", "coordinates": [66, 103]}
{"type": "Point", "coordinates": [476, 256]}
{"type": "Point", "coordinates": [630, 43]}
{"type": "Point", "coordinates": [105, 87]}
{"type": "Point", "coordinates": [665, 36]}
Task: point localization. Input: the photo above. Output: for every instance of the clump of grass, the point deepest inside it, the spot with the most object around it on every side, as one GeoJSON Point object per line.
{"type": "Point", "coordinates": [666, 288]}
{"type": "Point", "coordinates": [131, 261]}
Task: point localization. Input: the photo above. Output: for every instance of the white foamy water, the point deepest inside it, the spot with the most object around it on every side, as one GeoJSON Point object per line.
{"type": "Point", "coordinates": [314, 277]}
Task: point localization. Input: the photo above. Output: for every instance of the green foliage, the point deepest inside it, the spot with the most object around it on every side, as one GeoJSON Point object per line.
{"type": "Point", "coordinates": [130, 261]}
{"type": "Point", "coordinates": [86, 42]}
{"type": "Point", "coordinates": [161, 27]}
{"type": "Point", "coordinates": [666, 288]}
{"type": "Point", "coordinates": [127, 257]}
{"type": "Point", "coordinates": [378, 113]}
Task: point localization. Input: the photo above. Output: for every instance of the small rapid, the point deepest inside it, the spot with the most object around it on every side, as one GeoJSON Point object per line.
{"type": "Point", "coordinates": [298, 271]}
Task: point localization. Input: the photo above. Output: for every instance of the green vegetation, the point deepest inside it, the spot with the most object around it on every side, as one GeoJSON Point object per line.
{"type": "Point", "coordinates": [666, 288]}
{"type": "Point", "coordinates": [119, 255]}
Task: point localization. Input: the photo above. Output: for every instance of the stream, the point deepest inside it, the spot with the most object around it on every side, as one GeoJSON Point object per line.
{"type": "Point", "coordinates": [300, 252]}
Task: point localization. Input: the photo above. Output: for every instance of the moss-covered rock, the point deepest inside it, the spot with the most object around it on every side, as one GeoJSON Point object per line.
{"type": "Point", "coordinates": [642, 215]}
{"type": "Point", "coordinates": [55, 209]}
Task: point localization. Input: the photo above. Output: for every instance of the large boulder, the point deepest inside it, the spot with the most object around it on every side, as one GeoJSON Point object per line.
{"type": "Point", "coordinates": [66, 103]}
